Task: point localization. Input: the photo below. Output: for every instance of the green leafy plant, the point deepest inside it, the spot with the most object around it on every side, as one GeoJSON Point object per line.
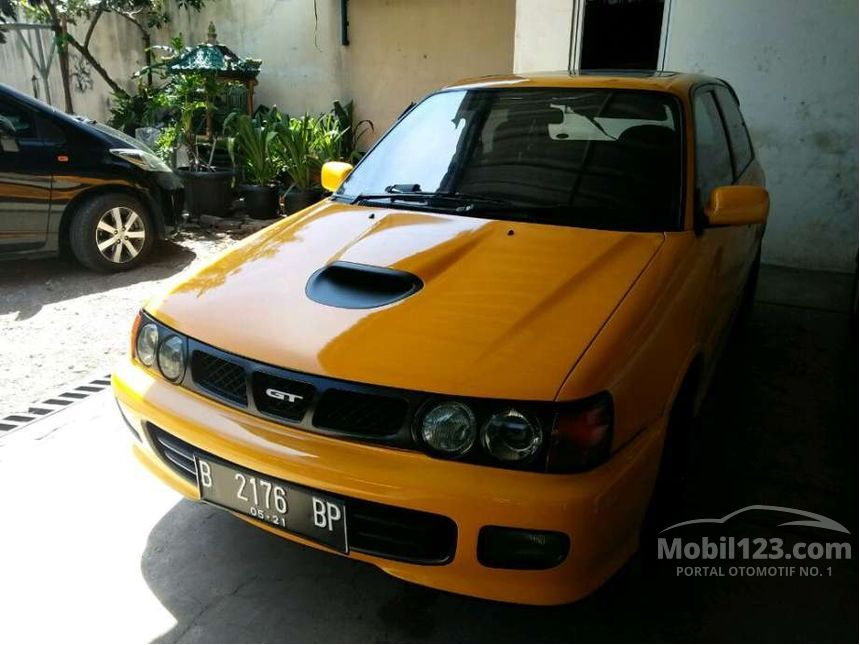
{"type": "Point", "coordinates": [251, 143]}
{"type": "Point", "coordinates": [345, 114]}
{"type": "Point", "coordinates": [129, 112]}
{"type": "Point", "coordinates": [192, 95]}
{"type": "Point", "coordinates": [297, 139]}
{"type": "Point", "coordinates": [329, 138]}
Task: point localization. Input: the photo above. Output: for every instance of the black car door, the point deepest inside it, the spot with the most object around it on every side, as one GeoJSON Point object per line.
{"type": "Point", "coordinates": [26, 175]}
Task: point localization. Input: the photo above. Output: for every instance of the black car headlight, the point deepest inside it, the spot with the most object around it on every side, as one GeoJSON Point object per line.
{"type": "Point", "coordinates": [511, 436]}
{"type": "Point", "coordinates": [448, 428]}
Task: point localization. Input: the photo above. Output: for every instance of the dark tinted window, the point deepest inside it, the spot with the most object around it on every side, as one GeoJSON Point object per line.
{"type": "Point", "coordinates": [580, 157]}
{"type": "Point", "coordinates": [740, 142]}
{"type": "Point", "coordinates": [19, 118]}
{"type": "Point", "coordinates": [713, 162]}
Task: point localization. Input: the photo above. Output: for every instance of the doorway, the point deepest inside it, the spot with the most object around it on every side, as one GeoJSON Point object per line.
{"type": "Point", "coordinates": [619, 34]}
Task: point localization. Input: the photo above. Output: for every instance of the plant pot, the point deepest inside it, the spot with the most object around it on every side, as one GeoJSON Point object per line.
{"type": "Point", "coordinates": [261, 202]}
{"type": "Point", "coordinates": [207, 192]}
{"type": "Point", "coordinates": [296, 201]}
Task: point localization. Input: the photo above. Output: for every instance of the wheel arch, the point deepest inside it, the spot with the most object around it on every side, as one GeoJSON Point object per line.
{"type": "Point", "coordinates": [689, 381]}
{"type": "Point", "coordinates": [71, 209]}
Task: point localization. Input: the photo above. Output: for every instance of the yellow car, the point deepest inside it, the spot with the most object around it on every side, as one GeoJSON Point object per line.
{"type": "Point", "coordinates": [463, 366]}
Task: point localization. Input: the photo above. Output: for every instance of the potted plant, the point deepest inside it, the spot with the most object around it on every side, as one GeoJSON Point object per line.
{"type": "Point", "coordinates": [353, 132]}
{"type": "Point", "coordinates": [251, 143]}
{"type": "Point", "coordinates": [208, 189]}
{"type": "Point", "coordinates": [297, 148]}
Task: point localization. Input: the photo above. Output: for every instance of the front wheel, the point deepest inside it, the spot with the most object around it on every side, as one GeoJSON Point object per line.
{"type": "Point", "coordinates": [111, 233]}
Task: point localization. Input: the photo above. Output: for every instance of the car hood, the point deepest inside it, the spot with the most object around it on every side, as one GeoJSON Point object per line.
{"type": "Point", "coordinates": [506, 308]}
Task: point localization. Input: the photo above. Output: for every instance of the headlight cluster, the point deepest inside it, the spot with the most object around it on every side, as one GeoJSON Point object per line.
{"type": "Point", "coordinates": [568, 437]}
{"type": "Point", "coordinates": [451, 429]}
{"type": "Point", "coordinates": [160, 348]}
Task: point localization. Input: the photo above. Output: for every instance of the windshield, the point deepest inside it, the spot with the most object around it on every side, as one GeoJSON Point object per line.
{"type": "Point", "coordinates": [608, 159]}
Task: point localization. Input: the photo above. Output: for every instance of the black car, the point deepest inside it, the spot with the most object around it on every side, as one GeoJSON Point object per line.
{"type": "Point", "coordinates": [68, 183]}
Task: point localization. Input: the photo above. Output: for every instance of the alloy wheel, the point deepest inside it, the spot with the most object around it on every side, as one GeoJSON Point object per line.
{"type": "Point", "coordinates": [120, 235]}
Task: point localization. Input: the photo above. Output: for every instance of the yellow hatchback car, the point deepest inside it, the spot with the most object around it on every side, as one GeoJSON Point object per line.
{"type": "Point", "coordinates": [463, 366]}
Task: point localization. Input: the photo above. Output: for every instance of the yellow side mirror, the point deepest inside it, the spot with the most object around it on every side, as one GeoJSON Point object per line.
{"type": "Point", "coordinates": [333, 173]}
{"type": "Point", "coordinates": [736, 205]}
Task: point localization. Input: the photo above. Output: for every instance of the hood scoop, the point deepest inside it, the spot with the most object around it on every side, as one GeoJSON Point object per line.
{"type": "Point", "coordinates": [348, 285]}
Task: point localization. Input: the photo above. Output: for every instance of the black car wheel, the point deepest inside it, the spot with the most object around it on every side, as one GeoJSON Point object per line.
{"type": "Point", "coordinates": [111, 233]}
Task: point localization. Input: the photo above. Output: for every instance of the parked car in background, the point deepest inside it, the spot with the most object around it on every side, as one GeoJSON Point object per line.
{"type": "Point", "coordinates": [70, 183]}
{"type": "Point", "coordinates": [472, 365]}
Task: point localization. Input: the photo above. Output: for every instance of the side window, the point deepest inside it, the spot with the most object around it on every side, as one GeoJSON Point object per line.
{"type": "Point", "coordinates": [713, 161]}
{"type": "Point", "coordinates": [19, 118]}
{"type": "Point", "coordinates": [738, 137]}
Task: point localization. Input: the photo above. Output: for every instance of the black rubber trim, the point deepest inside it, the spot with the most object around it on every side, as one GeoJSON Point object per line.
{"type": "Point", "coordinates": [348, 285]}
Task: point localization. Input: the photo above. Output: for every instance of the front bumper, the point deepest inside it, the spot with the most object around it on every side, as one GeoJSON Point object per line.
{"type": "Point", "coordinates": [600, 510]}
{"type": "Point", "coordinates": [167, 195]}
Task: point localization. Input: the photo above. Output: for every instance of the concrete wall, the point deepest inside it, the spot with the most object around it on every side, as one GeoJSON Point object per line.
{"type": "Point", "coordinates": [116, 44]}
{"type": "Point", "coordinates": [542, 38]}
{"type": "Point", "coordinates": [402, 49]}
{"type": "Point", "coordinates": [399, 51]}
{"type": "Point", "coordinates": [794, 66]}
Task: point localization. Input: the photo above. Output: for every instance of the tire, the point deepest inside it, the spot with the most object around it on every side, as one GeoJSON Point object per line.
{"type": "Point", "coordinates": [111, 233]}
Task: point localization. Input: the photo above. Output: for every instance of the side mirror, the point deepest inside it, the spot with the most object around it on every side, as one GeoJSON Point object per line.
{"type": "Point", "coordinates": [737, 205]}
{"type": "Point", "coordinates": [333, 174]}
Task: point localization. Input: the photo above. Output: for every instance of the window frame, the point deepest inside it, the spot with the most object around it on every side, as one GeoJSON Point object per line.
{"type": "Point", "coordinates": [738, 172]}
{"type": "Point", "coordinates": [697, 202]}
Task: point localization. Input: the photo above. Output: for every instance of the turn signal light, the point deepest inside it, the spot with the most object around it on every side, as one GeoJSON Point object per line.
{"type": "Point", "coordinates": [581, 435]}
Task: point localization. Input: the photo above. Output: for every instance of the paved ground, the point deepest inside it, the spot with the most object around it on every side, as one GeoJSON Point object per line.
{"type": "Point", "coordinates": [92, 547]}
{"type": "Point", "coordinates": [60, 322]}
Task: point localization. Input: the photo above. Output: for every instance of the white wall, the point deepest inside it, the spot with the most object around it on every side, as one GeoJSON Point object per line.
{"type": "Point", "coordinates": [794, 66]}
{"type": "Point", "coordinates": [542, 35]}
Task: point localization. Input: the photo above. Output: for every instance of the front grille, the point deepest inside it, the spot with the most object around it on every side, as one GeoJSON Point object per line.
{"type": "Point", "coordinates": [361, 413]}
{"type": "Point", "coordinates": [220, 377]}
{"type": "Point", "coordinates": [375, 529]}
{"type": "Point", "coordinates": [281, 397]}
{"type": "Point", "coordinates": [177, 454]}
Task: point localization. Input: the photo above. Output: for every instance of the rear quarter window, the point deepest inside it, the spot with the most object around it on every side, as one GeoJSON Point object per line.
{"type": "Point", "coordinates": [738, 137]}
{"type": "Point", "coordinates": [713, 160]}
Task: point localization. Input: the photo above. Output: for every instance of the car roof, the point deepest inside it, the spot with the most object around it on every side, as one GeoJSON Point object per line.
{"type": "Point", "coordinates": [674, 82]}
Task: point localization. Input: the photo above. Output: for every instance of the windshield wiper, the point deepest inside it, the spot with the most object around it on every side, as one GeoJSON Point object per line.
{"type": "Point", "coordinates": [401, 192]}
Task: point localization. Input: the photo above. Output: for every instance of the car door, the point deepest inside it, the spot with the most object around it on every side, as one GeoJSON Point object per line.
{"type": "Point", "coordinates": [723, 250]}
{"type": "Point", "coordinates": [26, 174]}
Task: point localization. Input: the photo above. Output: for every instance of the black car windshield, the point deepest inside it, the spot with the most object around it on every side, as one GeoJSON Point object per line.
{"type": "Point", "coordinates": [597, 158]}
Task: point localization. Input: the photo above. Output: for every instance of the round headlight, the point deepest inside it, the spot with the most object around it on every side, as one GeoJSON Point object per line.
{"type": "Point", "coordinates": [171, 358]}
{"type": "Point", "coordinates": [449, 427]}
{"type": "Point", "coordinates": [147, 344]}
{"type": "Point", "coordinates": [511, 436]}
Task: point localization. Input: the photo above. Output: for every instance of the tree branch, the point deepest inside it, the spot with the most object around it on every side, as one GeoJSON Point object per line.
{"type": "Point", "coordinates": [95, 65]}
{"type": "Point", "coordinates": [130, 16]}
{"type": "Point", "coordinates": [99, 11]}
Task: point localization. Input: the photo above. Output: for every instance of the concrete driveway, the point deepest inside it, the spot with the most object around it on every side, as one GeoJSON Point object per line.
{"type": "Point", "coordinates": [93, 547]}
